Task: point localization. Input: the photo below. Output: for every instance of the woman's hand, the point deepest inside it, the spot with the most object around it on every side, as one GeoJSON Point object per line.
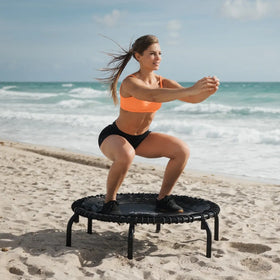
{"type": "Point", "coordinates": [207, 85]}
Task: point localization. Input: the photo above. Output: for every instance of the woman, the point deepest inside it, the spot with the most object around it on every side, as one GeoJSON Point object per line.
{"type": "Point", "coordinates": [141, 95]}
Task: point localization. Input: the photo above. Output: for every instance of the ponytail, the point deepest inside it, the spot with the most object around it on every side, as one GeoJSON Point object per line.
{"type": "Point", "coordinates": [119, 62]}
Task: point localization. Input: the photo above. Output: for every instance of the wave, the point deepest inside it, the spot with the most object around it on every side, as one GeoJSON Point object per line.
{"type": "Point", "coordinates": [212, 108]}
{"type": "Point", "coordinates": [82, 92]}
{"type": "Point", "coordinates": [73, 103]}
{"type": "Point", "coordinates": [5, 91]}
{"type": "Point", "coordinates": [86, 92]}
{"type": "Point", "coordinates": [52, 119]}
{"type": "Point", "coordinates": [77, 103]}
{"type": "Point", "coordinates": [228, 132]}
{"type": "Point", "coordinates": [259, 137]}
{"type": "Point", "coordinates": [8, 87]}
{"type": "Point", "coordinates": [67, 85]}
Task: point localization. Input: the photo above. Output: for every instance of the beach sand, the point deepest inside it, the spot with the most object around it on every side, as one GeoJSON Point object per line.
{"type": "Point", "coordinates": [38, 185]}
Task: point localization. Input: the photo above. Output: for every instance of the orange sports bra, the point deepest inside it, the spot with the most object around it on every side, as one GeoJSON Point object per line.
{"type": "Point", "coordinates": [132, 104]}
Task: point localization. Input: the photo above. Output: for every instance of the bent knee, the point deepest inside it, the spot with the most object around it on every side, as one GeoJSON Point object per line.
{"type": "Point", "coordinates": [125, 158]}
{"type": "Point", "coordinates": [183, 152]}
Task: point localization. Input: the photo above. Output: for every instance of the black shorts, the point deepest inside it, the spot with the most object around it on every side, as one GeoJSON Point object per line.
{"type": "Point", "coordinates": [112, 129]}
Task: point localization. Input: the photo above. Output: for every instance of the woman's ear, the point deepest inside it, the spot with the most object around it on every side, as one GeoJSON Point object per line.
{"type": "Point", "coordinates": [137, 56]}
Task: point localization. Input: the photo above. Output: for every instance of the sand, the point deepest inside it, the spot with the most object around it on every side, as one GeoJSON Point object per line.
{"type": "Point", "coordinates": [38, 185]}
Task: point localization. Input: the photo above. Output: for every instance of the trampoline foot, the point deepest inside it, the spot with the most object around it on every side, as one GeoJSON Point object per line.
{"type": "Point", "coordinates": [130, 241]}
{"type": "Point", "coordinates": [89, 228]}
{"type": "Point", "coordinates": [205, 226]}
{"type": "Point", "coordinates": [216, 225]}
{"type": "Point", "coordinates": [74, 218]}
{"type": "Point", "coordinates": [158, 228]}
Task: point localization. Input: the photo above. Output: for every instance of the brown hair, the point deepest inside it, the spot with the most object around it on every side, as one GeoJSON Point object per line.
{"type": "Point", "coordinates": [120, 60]}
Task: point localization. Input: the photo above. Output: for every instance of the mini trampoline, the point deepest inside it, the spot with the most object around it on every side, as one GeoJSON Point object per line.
{"type": "Point", "coordinates": [139, 208]}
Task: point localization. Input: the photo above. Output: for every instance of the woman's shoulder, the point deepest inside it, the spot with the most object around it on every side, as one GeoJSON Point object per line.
{"type": "Point", "coordinates": [128, 84]}
{"type": "Point", "coordinates": [129, 78]}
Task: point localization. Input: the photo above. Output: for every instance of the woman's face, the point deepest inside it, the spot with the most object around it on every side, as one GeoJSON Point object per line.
{"type": "Point", "coordinates": [151, 57]}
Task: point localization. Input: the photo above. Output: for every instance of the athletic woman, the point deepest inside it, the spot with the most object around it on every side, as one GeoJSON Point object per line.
{"type": "Point", "coordinates": [141, 95]}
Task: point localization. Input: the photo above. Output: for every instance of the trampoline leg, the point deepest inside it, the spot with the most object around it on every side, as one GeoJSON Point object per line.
{"type": "Point", "coordinates": [74, 218]}
{"type": "Point", "coordinates": [216, 225]}
{"type": "Point", "coordinates": [130, 241]}
{"type": "Point", "coordinates": [205, 226]}
{"type": "Point", "coordinates": [158, 228]}
{"type": "Point", "coordinates": [89, 227]}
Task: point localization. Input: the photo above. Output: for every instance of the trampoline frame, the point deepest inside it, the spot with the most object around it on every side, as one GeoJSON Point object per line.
{"type": "Point", "coordinates": [135, 219]}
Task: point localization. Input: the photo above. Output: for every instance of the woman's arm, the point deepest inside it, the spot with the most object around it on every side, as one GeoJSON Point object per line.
{"type": "Point", "coordinates": [171, 91]}
{"type": "Point", "coordinates": [213, 83]}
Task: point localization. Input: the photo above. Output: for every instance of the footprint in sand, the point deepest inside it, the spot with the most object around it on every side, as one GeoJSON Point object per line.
{"type": "Point", "coordinates": [256, 265]}
{"type": "Point", "coordinates": [15, 270]}
{"type": "Point", "coordinates": [250, 247]}
{"type": "Point", "coordinates": [34, 270]}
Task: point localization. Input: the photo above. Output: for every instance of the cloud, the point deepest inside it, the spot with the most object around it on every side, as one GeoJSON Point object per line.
{"type": "Point", "coordinates": [247, 9]}
{"type": "Point", "coordinates": [109, 20]}
{"type": "Point", "coordinates": [173, 28]}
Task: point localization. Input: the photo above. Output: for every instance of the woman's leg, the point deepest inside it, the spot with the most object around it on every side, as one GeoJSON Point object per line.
{"type": "Point", "coordinates": [162, 145]}
{"type": "Point", "coordinates": [117, 149]}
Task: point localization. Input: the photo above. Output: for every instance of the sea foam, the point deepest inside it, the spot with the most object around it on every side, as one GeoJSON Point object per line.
{"type": "Point", "coordinates": [235, 131]}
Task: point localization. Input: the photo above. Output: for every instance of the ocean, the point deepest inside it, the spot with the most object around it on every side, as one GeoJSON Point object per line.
{"type": "Point", "coordinates": [235, 132]}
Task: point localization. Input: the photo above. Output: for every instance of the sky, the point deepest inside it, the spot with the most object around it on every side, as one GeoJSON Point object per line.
{"type": "Point", "coordinates": [65, 40]}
